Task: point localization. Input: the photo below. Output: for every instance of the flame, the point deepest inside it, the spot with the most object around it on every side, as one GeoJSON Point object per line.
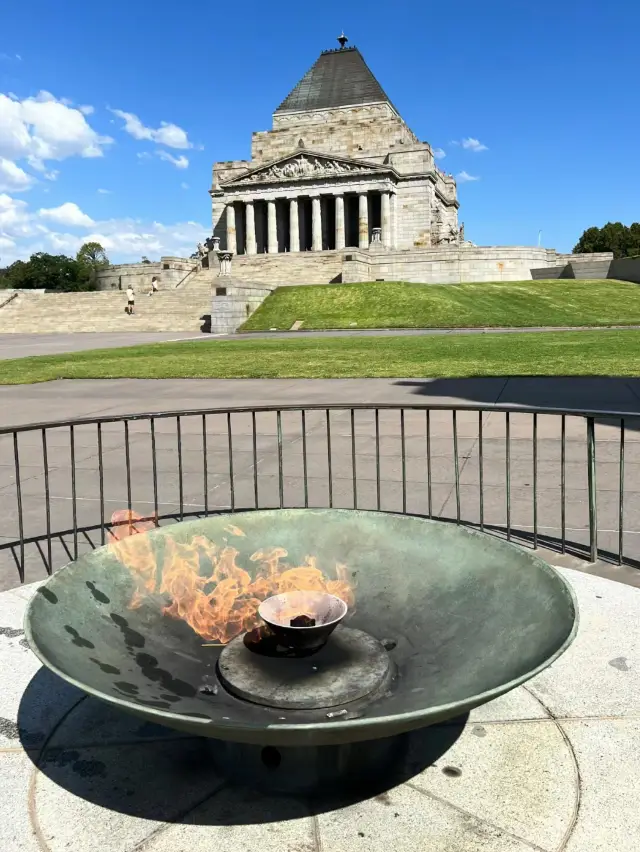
{"type": "Point", "coordinates": [223, 602]}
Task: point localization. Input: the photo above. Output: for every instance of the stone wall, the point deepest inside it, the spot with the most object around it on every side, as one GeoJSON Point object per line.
{"type": "Point", "coordinates": [169, 271]}
{"type": "Point", "coordinates": [283, 269]}
{"type": "Point", "coordinates": [362, 132]}
{"type": "Point", "coordinates": [595, 266]}
{"type": "Point", "coordinates": [448, 265]}
{"type": "Point", "coordinates": [413, 203]}
{"type": "Point", "coordinates": [625, 269]}
{"type": "Point", "coordinates": [233, 302]}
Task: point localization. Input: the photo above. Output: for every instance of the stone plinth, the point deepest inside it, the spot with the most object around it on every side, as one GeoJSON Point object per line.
{"type": "Point", "coordinates": [233, 302]}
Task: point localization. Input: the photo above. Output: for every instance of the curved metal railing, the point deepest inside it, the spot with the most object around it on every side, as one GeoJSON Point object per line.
{"type": "Point", "coordinates": [544, 477]}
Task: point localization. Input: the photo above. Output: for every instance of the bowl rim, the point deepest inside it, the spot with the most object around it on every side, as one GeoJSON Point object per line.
{"type": "Point", "coordinates": [376, 726]}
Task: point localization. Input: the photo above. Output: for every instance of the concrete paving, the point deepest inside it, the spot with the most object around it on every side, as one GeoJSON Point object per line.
{"type": "Point", "coordinates": [25, 345]}
{"type": "Point", "coordinates": [183, 492]}
{"type": "Point", "coordinates": [421, 332]}
{"type": "Point", "coordinates": [550, 766]}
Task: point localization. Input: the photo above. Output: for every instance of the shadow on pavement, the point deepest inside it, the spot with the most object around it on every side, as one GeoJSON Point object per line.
{"type": "Point", "coordinates": [579, 393]}
{"type": "Point", "coordinates": [124, 764]}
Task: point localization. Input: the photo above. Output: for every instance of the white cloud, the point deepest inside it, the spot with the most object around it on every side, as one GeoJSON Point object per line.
{"type": "Point", "coordinates": [52, 175]}
{"type": "Point", "coordinates": [87, 109]}
{"type": "Point", "coordinates": [184, 185]}
{"type": "Point", "coordinates": [465, 177]}
{"type": "Point", "coordinates": [180, 162]}
{"type": "Point", "coordinates": [13, 178]}
{"type": "Point", "coordinates": [105, 192]}
{"type": "Point", "coordinates": [9, 57]}
{"type": "Point", "coordinates": [471, 144]}
{"type": "Point", "coordinates": [167, 134]}
{"type": "Point", "coordinates": [67, 214]}
{"type": "Point", "coordinates": [439, 153]}
{"type": "Point", "coordinates": [44, 128]}
{"type": "Point", "coordinates": [23, 232]}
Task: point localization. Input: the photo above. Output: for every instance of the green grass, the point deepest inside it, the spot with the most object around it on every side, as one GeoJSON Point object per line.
{"type": "Point", "coordinates": [569, 353]}
{"type": "Point", "coordinates": [397, 305]}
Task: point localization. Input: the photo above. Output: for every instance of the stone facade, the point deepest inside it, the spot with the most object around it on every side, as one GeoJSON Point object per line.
{"type": "Point", "coordinates": [328, 174]}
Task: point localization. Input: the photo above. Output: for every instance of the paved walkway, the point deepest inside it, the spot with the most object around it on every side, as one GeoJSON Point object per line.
{"type": "Point", "coordinates": [550, 766]}
{"type": "Point", "coordinates": [24, 345]}
{"type": "Point", "coordinates": [421, 332]}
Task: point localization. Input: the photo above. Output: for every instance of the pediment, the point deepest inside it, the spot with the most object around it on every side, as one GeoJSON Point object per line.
{"type": "Point", "coordinates": [305, 165]}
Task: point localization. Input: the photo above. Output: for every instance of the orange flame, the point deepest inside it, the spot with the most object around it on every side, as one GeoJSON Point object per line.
{"type": "Point", "coordinates": [222, 603]}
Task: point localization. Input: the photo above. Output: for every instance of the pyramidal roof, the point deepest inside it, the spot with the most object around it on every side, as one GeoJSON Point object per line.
{"type": "Point", "coordinates": [338, 78]}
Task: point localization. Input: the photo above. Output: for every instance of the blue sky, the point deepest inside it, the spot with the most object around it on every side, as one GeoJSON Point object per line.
{"type": "Point", "coordinates": [548, 90]}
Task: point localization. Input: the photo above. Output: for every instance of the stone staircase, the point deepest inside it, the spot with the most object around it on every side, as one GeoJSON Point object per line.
{"type": "Point", "coordinates": [187, 308]}
{"type": "Point", "coordinates": [295, 268]}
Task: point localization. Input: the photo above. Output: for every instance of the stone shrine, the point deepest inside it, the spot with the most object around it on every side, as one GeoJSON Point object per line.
{"type": "Point", "coordinates": [339, 163]}
{"type": "Point", "coordinates": [339, 190]}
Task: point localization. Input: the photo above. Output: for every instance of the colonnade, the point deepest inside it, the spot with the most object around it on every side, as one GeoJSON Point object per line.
{"type": "Point", "coordinates": [307, 222]}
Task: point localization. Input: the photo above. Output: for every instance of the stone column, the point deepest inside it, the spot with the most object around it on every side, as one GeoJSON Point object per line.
{"type": "Point", "coordinates": [294, 225]}
{"type": "Point", "coordinates": [250, 239]}
{"type": "Point", "coordinates": [363, 221]}
{"type": "Point", "coordinates": [272, 228]}
{"type": "Point", "coordinates": [385, 218]}
{"type": "Point", "coordinates": [316, 216]}
{"type": "Point", "coordinates": [340, 234]}
{"type": "Point", "coordinates": [231, 228]}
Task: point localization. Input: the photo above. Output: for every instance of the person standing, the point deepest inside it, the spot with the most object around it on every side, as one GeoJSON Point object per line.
{"type": "Point", "coordinates": [131, 299]}
{"type": "Point", "coordinates": [154, 286]}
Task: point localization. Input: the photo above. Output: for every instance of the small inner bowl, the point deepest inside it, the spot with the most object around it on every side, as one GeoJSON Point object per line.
{"type": "Point", "coordinates": [302, 620]}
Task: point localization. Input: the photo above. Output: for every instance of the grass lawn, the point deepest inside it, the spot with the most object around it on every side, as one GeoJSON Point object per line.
{"type": "Point", "coordinates": [501, 303]}
{"type": "Point", "coordinates": [569, 353]}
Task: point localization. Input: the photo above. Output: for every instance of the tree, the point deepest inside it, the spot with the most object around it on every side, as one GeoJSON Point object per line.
{"type": "Point", "coordinates": [145, 259]}
{"type": "Point", "coordinates": [92, 257]}
{"type": "Point", "coordinates": [48, 272]}
{"type": "Point", "coordinates": [620, 239]}
{"type": "Point", "coordinates": [93, 254]}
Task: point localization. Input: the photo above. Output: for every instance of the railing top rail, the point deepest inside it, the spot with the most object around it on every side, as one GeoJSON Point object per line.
{"type": "Point", "coordinates": [192, 271]}
{"type": "Point", "coordinates": [330, 406]}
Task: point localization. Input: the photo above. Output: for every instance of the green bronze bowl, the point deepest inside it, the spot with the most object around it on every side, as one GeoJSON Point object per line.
{"type": "Point", "coordinates": [463, 616]}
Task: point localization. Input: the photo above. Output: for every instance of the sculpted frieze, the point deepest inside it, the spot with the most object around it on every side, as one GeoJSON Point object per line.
{"type": "Point", "coordinates": [303, 166]}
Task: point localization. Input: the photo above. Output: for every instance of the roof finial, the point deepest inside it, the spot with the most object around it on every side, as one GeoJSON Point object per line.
{"type": "Point", "coordinates": [342, 40]}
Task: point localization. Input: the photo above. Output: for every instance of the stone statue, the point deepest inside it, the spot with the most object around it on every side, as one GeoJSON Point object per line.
{"type": "Point", "coordinates": [201, 250]}
{"type": "Point", "coordinates": [462, 232]}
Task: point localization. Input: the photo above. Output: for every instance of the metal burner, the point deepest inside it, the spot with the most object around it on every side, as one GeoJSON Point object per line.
{"type": "Point", "coordinates": [302, 621]}
{"type": "Point", "coordinates": [350, 666]}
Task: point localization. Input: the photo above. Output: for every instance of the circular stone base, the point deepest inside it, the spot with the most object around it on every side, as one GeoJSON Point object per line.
{"type": "Point", "coordinates": [350, 666]}
{"type": "Point", "coordinates": [303, 771]}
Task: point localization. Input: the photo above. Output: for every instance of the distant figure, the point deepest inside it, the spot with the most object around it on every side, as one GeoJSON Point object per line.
{"type": "Point", "coordinates": [131, 299]}
{"type": "Point", "coordinates": [154, 286]}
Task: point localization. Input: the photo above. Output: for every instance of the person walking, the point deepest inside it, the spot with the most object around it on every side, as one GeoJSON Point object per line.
{"type": "Point", "coordinates": [131, 299]}
{"type": "Point", "coordinates": [154, 286]}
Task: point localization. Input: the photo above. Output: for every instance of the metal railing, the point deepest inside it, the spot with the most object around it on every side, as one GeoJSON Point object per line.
{"type": "Point", "coordinates": [9, 299]}
{"type": "Point", "coordinates": [538, 476]}
{"type": "Point", "coordinates": [193, 271]}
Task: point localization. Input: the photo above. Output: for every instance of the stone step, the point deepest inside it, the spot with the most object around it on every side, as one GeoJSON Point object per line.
{"type": "Point", "coordinates": [176, 310]}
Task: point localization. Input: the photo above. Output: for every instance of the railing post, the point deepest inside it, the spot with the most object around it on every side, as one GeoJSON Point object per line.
{"type": "Point", "coordinates": [593, 499]}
